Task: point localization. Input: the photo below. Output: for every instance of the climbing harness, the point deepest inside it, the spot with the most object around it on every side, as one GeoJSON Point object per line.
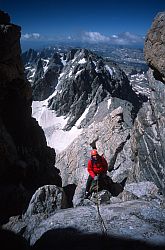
{"type": "Point", "coordinates": [102, 223]}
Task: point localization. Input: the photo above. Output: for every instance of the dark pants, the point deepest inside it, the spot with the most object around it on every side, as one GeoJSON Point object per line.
{"type": "Point", "coordinates": [105, 182]}
{"type": "Point", "coordinates": [88, 184]}
{"type": "Point", "coordinates": [90, 179]}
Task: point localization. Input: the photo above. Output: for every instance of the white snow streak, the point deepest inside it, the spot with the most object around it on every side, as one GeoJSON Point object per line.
{"type": "Point", "coordinates": [82, 117]}
{"type": "Point", "coordinates": [53, 126]}
{"type": "Point", "coordinates": [78, 72]}
{"type": "Point", "coordinates": [109, 70]}
{"type": "Point", "coordinates": [46, 64]}
{"type": "Point", "coordinates": [109, 102]}
{"type": "Point", "coordinates": [63, 61]}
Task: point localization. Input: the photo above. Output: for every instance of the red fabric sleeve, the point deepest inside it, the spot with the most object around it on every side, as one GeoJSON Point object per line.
{"type": "Point", "coordinates": [90, 169]}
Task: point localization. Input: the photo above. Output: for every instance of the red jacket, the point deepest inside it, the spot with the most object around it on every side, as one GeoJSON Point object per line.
{"type": "Point", "coordinates": [98, 167]}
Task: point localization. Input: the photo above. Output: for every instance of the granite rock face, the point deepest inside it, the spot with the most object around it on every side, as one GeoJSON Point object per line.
{"type": "Point", "coordinates": [155, 47]}
{"type": "Point", "coordinates": [149, 135]}
{"type": "Point", "coordinates": [26, 160]}
{"type": "Point", "coordinates": [132, 221]}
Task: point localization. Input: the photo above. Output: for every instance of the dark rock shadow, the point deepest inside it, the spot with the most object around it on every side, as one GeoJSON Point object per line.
{"type": "Point", "coordinates": [70, 238]}
{"type": "Point", "coordinates": [12, 241]}
{"type": "Point", "coordinates": [68, 193]}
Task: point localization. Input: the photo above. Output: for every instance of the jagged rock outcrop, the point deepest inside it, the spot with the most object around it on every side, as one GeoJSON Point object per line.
{"type": "Point", "coordinates": [46, 200]}
{"type": "Point", "coordinates": [85, 81]}
{"type": "Point", "coordinates": [44, 86]}
{"type": "Point", "coordinates": [155, 47]}
{"type": "Point", "coordinates": [39, 70]}
{"type": "Point", "coordinates": [26, 160]}
{"type": "Point", "coordinates": [42, 68]}
{"type": "Point", "coordinates": [29, 56]}
{"type": "Point", "coordinates": [149, 135]}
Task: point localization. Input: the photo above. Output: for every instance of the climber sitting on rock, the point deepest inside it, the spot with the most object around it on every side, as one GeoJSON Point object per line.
{"type": "Point", "coordinates": [98, 178]}
{"type": "Point", "coordinates": [97, 168]}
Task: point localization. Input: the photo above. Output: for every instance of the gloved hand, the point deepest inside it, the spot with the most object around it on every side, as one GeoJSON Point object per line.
{"type": "Point", "coordinates": [96, 178]}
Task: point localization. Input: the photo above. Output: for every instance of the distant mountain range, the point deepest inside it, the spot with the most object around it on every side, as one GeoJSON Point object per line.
{"type": "Point", "coordinates": [127, 57]}
{"type": "Point", "coordinates": [72, 82]}
{"type": "Point", "coordinates": [84, 39]}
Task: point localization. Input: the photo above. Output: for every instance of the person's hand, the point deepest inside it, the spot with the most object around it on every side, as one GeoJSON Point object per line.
{"type": "Point", "coordinates": [96, 178]}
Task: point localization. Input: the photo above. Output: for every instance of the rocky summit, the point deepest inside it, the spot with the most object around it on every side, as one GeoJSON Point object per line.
{"type": "Point", "coordinates": [54, 110]}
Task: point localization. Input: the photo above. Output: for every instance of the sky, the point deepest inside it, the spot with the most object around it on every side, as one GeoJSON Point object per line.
{"type": "Point", "coordinates": [87, 20]}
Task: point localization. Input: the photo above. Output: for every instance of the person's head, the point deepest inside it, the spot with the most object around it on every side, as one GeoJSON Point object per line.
{"type": "Point", "coordinates": [94, 154]}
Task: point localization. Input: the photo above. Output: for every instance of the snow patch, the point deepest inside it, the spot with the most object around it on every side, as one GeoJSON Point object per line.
{"type": "Point", "coordinates": [82, 117]}
{"type": "Point", "coordinates": [82, 61]}
{"type": "Point", "coordinates": [78, 72]}
{"type": "Point", "coordinates": [28, 67]}
{"type": "Point", "coordinates": [70, 73]}
{"type": "Point", "coordinates": [109, 102]}
{"type": "Point", "coordinates": [33, 71]}
{"type": "Point", "coordinates": [109, 70]}
{"type": "Point", "coordinates": [46, 61]}
{"type": "Point", "coordinates": [63, 61]}
{"type": "Point", "coordinates": [60, 139]}
{"type": "Point", "coordinates": [61, 75]}
{"type": "Point", "coordinates": [97, 70]}
{"type": "Point", "coordinates": [53, 126]}
{"type": "Point", "coordinates": [94, 63]}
